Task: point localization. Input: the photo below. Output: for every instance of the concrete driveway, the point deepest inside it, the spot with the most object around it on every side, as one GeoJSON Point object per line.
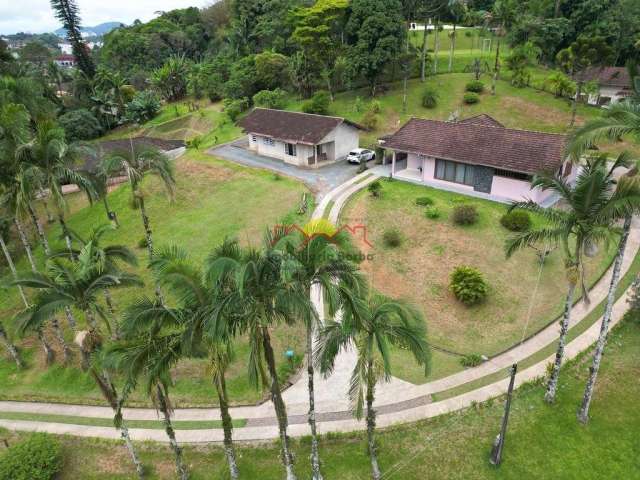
{"type": "Point", "coordinates": [321, 180]}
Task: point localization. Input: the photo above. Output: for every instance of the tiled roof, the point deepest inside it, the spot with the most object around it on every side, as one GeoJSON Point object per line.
{"type": "Point", "coordinates": [482, 119]}
{"type": "Point", "coordinates": [478, 144]}
{"type": "Point", "coordinates": [291, 126]}
{"type": "Point", "coordinates": [608, 76]}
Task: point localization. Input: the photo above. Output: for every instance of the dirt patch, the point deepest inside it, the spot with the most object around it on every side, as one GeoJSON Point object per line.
{"type": "Point", "coordinates": [547, 115]}
{"type": "Point", "coordinates": [117, 462]}
{"type": "Point", "coordinates": [201, 171]}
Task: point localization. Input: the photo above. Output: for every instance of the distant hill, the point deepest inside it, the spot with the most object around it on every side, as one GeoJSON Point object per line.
{"type": "Point", "coordinates": [98, 30]}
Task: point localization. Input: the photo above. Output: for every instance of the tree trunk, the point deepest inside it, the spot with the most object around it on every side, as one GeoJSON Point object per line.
{"type": "Point", "coordinates": [71, 320]}
{"type": "Point", "coordinates": [452, 47]}
{"type": "Point", "coordinates": [26, 245]}
{"type": "Point", "coordinates": [436, 45]}
{"type": "Point", "coordinates": [496, 69]}
{"type": "Point", "coordinates": [227, 426]}
{"type": "Point", "coordinates": [556, 10]}
{"type": "Point", "coordinates": [12, 267]}
{"type": "Point", "coordinates": [66, 234]}
{"type": "Point", "coordinates": [40, 230]}
{"type": "Point", "coordinates": [278, 403]}
{"type": "Point", "coordinates": [552, 384]}
{"type": "Point", "coordinates": [148, 238]}
{"type": "Point", "coordinates": [583, 413]}
{"type": "Point", "coordinates": [49, 354]}
{"type": "Point", "coordinates": [66, 350]}
{"type": "Point", "coordinates": [423, 55]}
{"type": "Point", "coordinates": [327, 78]}
{"type": "Point", "coordinates": [124, 433]}
{"type": "Point", "coordinates": [181, 468]}
{"type": "Point", "coordinates": [50, 218]}
{"type": "Point", "coordinates": [11, 348]}
{"type": "Point", "coordinates": [315, 455]}
{"type": "Point", "coordinates": [112, 216]}
{"type": "Point", "coordinates": [574, 104]}
{"type": "Point", "coordinates": [371, 425]}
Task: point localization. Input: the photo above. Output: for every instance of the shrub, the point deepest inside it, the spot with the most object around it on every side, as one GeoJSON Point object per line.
{"type": "Point", "coordinates": [144, 106]}
{"type": "Point", "coordinates": [475, 86]}
{"type": "Point", "coordinates": [233, 108]}
{"type": "Point", "coordinates": [430, 97]}
{"type": "Point", "coordinates": [375, 188]}
{"type": "Point", "coordinates": [319, 103]}
{"type": "Point", "coordinates": [471, 360]}
{"type": "Point", "coordinates": [142, 243]}
{"type": "Point", "coordinates": [374, 106]}
{"type": "Point", "coordinates": [468, 285]}
{"type": "Point", "coordinates": [195, 142]}
{"type": "Point", "coordinates": [470, 98]}
{"type": "Point", "coordinates": [424, 201]}
{"type": "Point", "coordinates": [80, 124]}
{"type": "Point", "coordinates": [392, 238]}
{"type": "Point", "coordinates": [36, 458]}
{"type": "Point", "coordinates": [432, 213]}
{"type": "Point", "coordinates": [516, 221]}
{"type": "Point", "coordinates": [271, 99]}
{"type": "Point", "coordinates": [465, 214]}
{"type": "Point", "coordinates": [369, 120]}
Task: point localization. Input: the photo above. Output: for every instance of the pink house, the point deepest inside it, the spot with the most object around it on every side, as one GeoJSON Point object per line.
{"type": "Point", "coordinates": [476, 156]}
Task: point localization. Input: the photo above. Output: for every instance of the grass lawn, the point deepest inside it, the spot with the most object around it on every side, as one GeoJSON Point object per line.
{"type": "Point", "coordinates": [419, 270]}
{"type": "Point", "coordinates": [214, 199]}
{"type": "Point", "coordinates": [543, 442]}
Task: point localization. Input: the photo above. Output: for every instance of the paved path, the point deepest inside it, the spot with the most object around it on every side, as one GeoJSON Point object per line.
{"type": "Point", "coordinates": [321, 180]}
{"type": "Point", "coordinates": [397, 401]}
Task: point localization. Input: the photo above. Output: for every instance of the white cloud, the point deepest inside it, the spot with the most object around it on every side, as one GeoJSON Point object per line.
{"type": "Point", "coordinates": [36, 15]}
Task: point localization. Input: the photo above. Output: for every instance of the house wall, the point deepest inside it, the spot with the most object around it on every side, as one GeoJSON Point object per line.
{"type": "Point", "coordinates": [346, 138]}
{"type": "Point", "coordinates": [611, 92]}
{"type": "Point", "coordinates": [277, 150]}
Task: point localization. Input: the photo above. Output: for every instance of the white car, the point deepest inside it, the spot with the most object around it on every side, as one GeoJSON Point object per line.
{"type": "Point", "coordinates": [360, 155]}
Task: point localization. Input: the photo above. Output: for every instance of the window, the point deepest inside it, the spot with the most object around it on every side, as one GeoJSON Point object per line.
{"type": "Point", "coordinates": [509, 174]}
{"type": "Point", "coordinates": [290, 149]}
{"type": "Point", "coordinates": [254, 139]}
{"type": "Point", "coordinates": [269, 141]}
{"type": "Point", "coordinates": [454, 172]}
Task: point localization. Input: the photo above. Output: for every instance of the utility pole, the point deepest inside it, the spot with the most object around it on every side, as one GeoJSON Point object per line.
{"type": "Point", "coordinates": [498, 444]}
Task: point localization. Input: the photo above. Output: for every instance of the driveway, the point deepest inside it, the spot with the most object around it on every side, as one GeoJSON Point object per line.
{"type": "Point", "coordinates": [321, 180]}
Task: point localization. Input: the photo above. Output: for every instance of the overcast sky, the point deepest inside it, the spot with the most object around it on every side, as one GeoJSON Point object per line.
{"type": "Point", "coordinates": [35, 16]}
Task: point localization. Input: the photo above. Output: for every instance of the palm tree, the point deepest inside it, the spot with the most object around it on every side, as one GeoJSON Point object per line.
{"type": "Point", "coordinates": [259, 299]}
{"type": "Point", "coordinates": [11, 348]}
{"type": "Point", "coordinates": [136, 163]}
{"type": "Point", "coordinates": [316, 265]}
{"type": "Point", "coordinates": [196, 318]}
{"type": "Point", "coordinates": [100, 181]}
{"type": "Point", "coordinates": [373, 326]}
{"type": "Point", "coordinates": [457, 9]}
{"type": "Point", "coordinates": [70, 284]}
{"type": "Point", "coordinates": [585, 222]}
{"type": "Point", "coordinates": [151, 356]}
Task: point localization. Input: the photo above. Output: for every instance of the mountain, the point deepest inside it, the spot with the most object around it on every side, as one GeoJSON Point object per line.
{"type": "Point", "coordinates": [98, 30]}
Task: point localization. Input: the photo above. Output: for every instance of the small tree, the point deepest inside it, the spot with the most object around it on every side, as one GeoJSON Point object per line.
{"type": "Point", "coordinates": [468, 285]}
{"type": "Point", "coordinates": [430, 97]}
{"type": "Point", "coordinates": [375, 189]}
{"type": "Point", "coordinates": [319, 103]}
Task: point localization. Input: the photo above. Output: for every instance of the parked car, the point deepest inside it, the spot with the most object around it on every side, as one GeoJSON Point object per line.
{"type": "Point", "coordinates": [360, 155]}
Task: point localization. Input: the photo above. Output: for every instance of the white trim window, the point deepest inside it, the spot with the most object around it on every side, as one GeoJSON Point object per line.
{"type": "Point", "coordinates": [254, 138]}
{"type": "Point", "coordinates": [290, 149]}
{"type": "Point", "coordinates": [269, 141]}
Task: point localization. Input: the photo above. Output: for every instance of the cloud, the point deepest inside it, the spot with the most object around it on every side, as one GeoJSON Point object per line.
{"type": "Point", "coordinates": [36, 16]}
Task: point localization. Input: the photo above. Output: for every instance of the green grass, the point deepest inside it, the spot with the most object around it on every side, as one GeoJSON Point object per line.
{"type": "Point", "coordinates": [543, 442]}
{"type": "Point", "coordinates": [108, 422]}
{"type": "Point", "coordinates": [419, 271]}
{"type": "Point", "coordinates": [214, 199]}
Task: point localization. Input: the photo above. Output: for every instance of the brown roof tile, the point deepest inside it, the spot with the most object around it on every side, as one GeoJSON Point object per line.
{"type": "Point", "coordinates": [291, 126]}
{"type": "Point", "coordinates": [478, 144]}
{"type": "Point", "coordinates": [608, 76]}
{"type": "Point", "coordinates": [482, 119]}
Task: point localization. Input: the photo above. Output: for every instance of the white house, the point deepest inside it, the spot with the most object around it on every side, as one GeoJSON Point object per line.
{"type": "Point", "coordinates": [477, 156]}
{"type": "Point", "coordinates": [614, 84]}
{"type": "Point", "coordinates": [301, 139]}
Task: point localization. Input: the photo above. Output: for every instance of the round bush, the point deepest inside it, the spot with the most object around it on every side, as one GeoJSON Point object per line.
{"type": "Point", "coordinates": [429, 97]}
{"type": "Point", "coordinates": [143, 107]}
{"type": "Point", "coordinates": [36, 458]}
{"type": "Point", "coordinates": [369, 120]}
{"type": "Point", "coordinates": [375, 188]}
{"type": "Point", "coordinates": [424, 201]}
{"type": "Point", "coordinates": [475, 86]}
{"type": "Point", "coordinates": [465, 215]}
{"type": "Point", "coordinates": [516, 221]}
{"type": "Point", "coordinates": [142, 243]}
{"type": "Point", "coordinates": [432, 213]}
{"type": "Point", "coordinates": [468, 285]}
{"type": "Point", "coordinates": [470, 98]}
{"type": "Point", "coordinates": [80, 124]}
{"type": "Point", "coordinates": [471, 360]}
{"type": "Point", "coordinates": [392, 238]}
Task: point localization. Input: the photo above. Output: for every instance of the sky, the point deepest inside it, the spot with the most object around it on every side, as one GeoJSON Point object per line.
{"type": "Point", "coordinates": [35, 16]}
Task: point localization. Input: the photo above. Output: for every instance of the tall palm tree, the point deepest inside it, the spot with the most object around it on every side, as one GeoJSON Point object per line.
{"type": "Point", "coordinates": [195, 317]}
{"type": "Point", "coordinates": [11, 348]}
{"type": "Point", "coordinates": [138, 161]}
{"type": "Point", "coordinates": [457, 9]}
{"type": "Point", "coordinates": [150, 357]}
{"type": "Point", "coordinates": [373, 326]}
{"type": "Point", "coordinates": [259, 299]}
{"type": "Point", "coordinates": [317, 265]}
{"type": "Point", "coordinates": [70, 284]}
{"type": "Point", "coordinates": [585, 222]}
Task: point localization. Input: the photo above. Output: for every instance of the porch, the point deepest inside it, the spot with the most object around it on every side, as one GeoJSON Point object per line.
{"type": "Point", "coordinates": [323, 154]}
